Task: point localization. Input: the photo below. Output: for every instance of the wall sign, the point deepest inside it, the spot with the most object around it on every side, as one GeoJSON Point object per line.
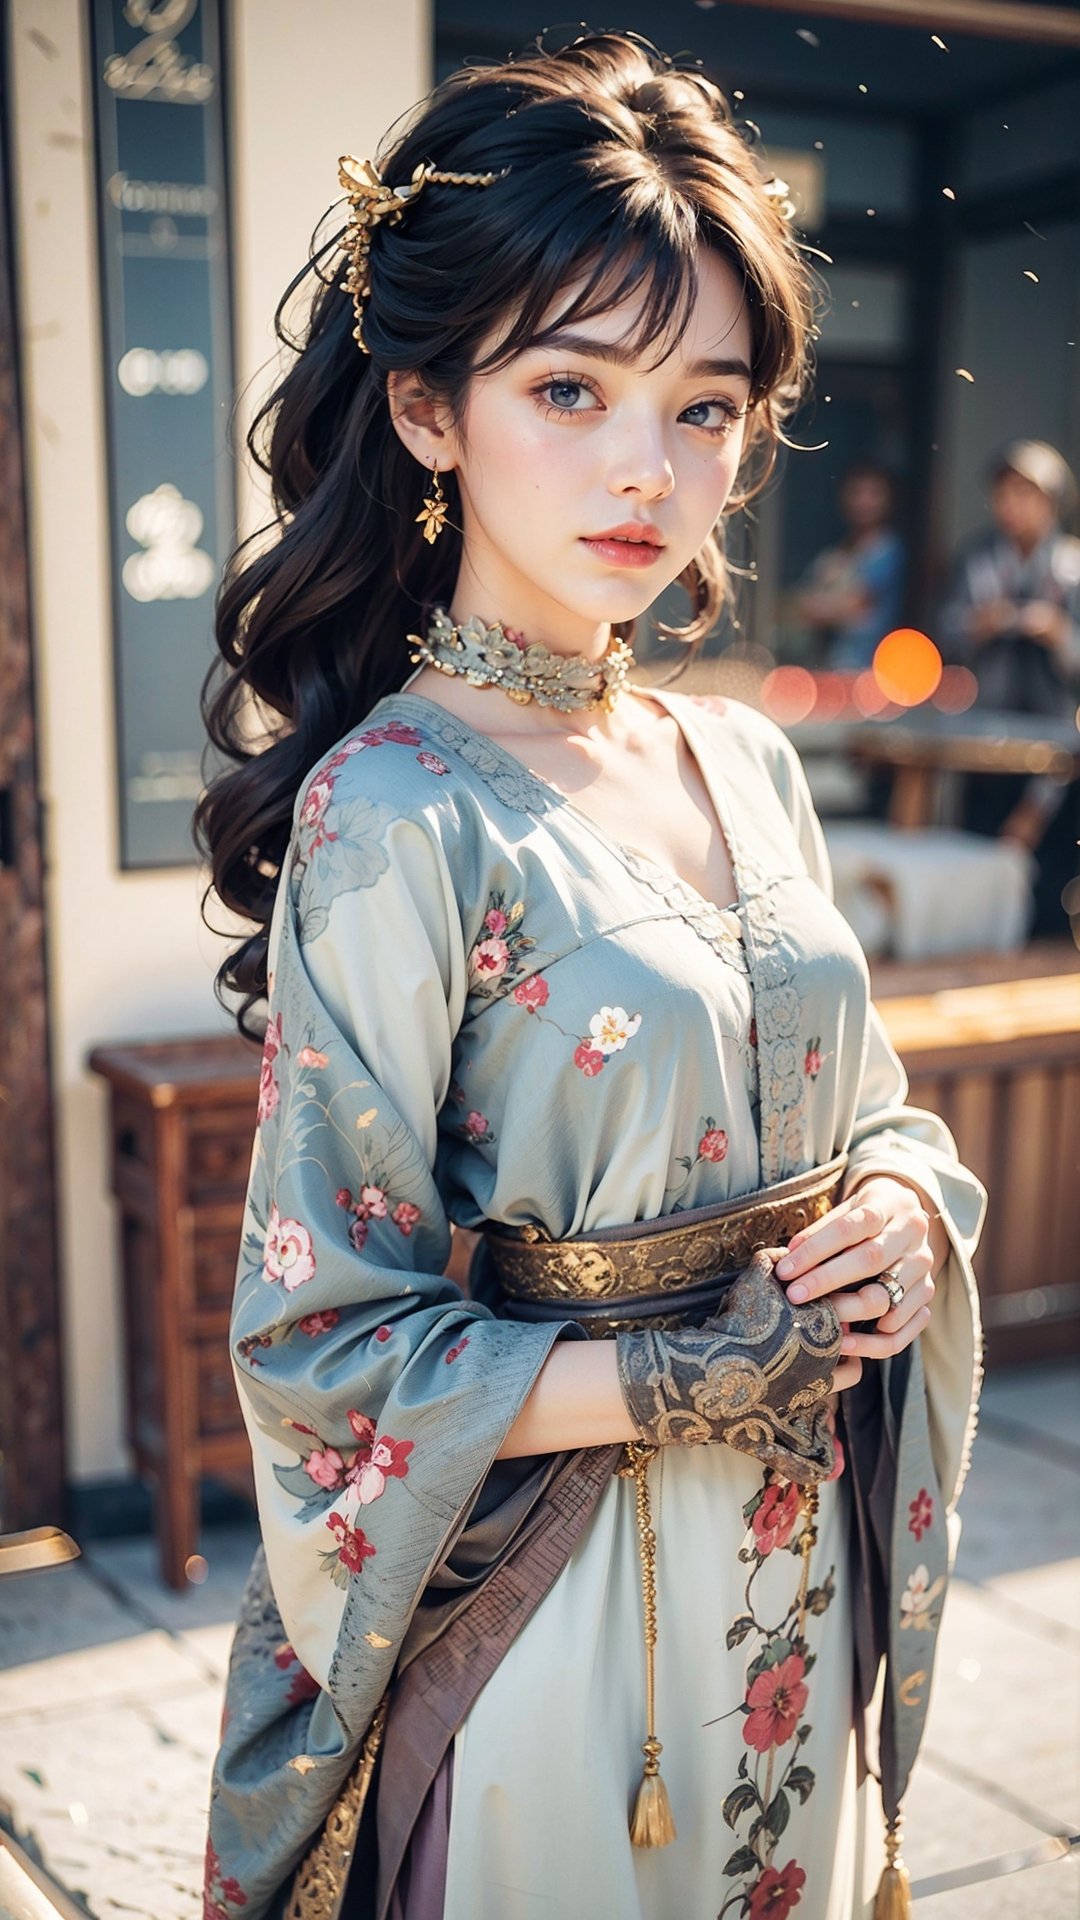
{"type": "Point", "coordinates": [160, 139]}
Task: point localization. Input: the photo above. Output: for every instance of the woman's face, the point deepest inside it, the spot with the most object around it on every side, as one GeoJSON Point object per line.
{"type": "Point", "coordinates": [576, 440]}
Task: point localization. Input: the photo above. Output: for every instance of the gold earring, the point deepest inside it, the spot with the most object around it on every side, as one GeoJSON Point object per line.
{"type": "Point", "coordinates": [433, 512]}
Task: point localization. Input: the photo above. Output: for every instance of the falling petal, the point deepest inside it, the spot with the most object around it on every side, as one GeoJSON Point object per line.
{"type": "Point", "coordinates": [862, 88]}
{"type": "Point", "coordinates": [856, 303]}
{"type": "Point", "coordinates": [738, 94]}
{"type": "Point", "coordinates": [939, 42]}
{"type": "Point", "coordinates": [1034, 230]}
{"type": "Point", "coordinates": [870, 212]}
{"type": "Point", "coordinates": [820, 145]}
{"type": "Point", "coordinates": [811, 39]}
{"type": "Point", "coordinates": [965, 375]}
{"type": "Point", "coordinates": [948, 192]}
{"type": "Point", "coordinates": [1028, 275]}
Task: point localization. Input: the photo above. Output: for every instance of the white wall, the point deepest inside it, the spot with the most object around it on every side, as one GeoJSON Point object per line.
{"type": "Point", "coordinates": [129, 955]}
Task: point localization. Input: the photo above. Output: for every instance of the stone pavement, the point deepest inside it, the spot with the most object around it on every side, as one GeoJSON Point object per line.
{"type": "Point", "coordinates": [110, 1689]}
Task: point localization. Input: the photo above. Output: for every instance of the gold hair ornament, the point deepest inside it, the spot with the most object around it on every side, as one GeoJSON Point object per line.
{"type": "Point", "coordinates": [371, 200]}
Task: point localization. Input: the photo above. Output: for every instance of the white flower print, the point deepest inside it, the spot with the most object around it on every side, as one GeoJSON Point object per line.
{"type": "Point", "coordinates": [612, 1027]}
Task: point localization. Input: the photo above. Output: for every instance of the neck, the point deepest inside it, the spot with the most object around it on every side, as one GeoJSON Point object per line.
{"type": "Point", "coordinates": [494, 592]}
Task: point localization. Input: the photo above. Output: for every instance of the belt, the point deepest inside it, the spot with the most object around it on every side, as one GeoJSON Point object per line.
{"type": "Point", "coordinates": [662, 1273]}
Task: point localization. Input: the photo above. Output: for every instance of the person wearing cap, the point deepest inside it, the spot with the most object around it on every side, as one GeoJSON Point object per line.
{"type": "Point", "coordinates": [1013, 616]}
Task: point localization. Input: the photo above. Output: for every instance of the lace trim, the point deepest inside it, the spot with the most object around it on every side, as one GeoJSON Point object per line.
{"type": "Point", "coordinates": [513, 784]}
{"type": "Point", "coordinates": [781, 1080]}
{"type": "Point", "coordinates": [719, 926]}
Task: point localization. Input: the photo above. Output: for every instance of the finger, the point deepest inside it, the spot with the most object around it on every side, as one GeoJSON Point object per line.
{"type": "Point", "coordinates": [848, 1372]}
{"type": "Point", "coordinates": [851, 1220]}
{"type": "Point", "coordinates": [850, 1268]}
{"type": "Point", "coordinates": [918, 1295]}
{"type": "Point", "coordinates": [873, 1302]}
{"type": "Point", "coordinates": [882, 1346]}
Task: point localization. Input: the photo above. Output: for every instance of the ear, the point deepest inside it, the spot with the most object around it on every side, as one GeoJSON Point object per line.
{"type": "Point", "coordinates": [422, 423]}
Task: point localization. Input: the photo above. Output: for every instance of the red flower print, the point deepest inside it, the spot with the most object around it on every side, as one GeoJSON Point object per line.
{"type": "Point", "coordinates": [588, 1059]}
{"type": "Point", "coordinates": [489, 959]}
{"type": "Point", "coordinates": [778, 1890]}
{"type": "Point", "coordinates": [268, 1086]}
{"type": "Point", "coordinates": [405, 1216]}
{"type": "Point", "coordinates": [219, 1891]}
{"type": "Point", "coordinates": [432, 762]}
{"type": "Point", "coordinates": [354, 1547]}
{"type": "Point", "coordinates": [371, 1204]}
{"type": "Point", "coordinates": [316, 801]}
{"type": "Point", "coordinates": [363, 1428]}
{"type": "Point", "coordinates": [495, 920]}
{"type": "Point", "coordinates": [776, 1699]}
{"type": "Point", "coordinates": [813, 1063]}
{"type": "Point", "coordinates": [400, 733]}
{"type": "Point", "coordinates": [289, 1254]}
{"type": "Point", "coordinates": [532, 993]}
{"type": "Point", "coordinates": [321, 1322]}
{"type": "Point", "coordinates": [382, 1333]}
{"type": "Point", "coordinates": [774, 1521]}
{"type": "Point", "coordinates": [921, 1510]}
{"type": "Point", "coordinates": [343, 1197]}
{"type": "Point", "coordinates": [358, 1233]}
{"type": "Point", "coordinates": [303, 1686]}
{"type": "Point", "coordinates": [388, 1460]}
{"type": "Point", "coordinates": [476, 1122]}
{"type": "Point", "coordinates": [311, 1057]}
{"type": "Point", "coordinates": [713, 1144]}
{"type": "Point", "coordinates": [326, 1468]}
{"type": "Point", "coordinates": [453, 1352]}
{"type": "Point", "coordinates": [284, 1655]}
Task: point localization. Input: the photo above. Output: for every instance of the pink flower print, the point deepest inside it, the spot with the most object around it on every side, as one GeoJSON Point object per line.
{"type": "Point", "coordinates": [495, 920]}
{"type": "Point", "coordinates": [303, 1686]}
{"type": "Point", "coordinates": [776, 1699]}
{"type": "Point", "coordinates": [774, 1521]}
{"type": "Point", "coordinates": [452, 1353]}
{"type": "Point", "coordinates": [313, 812]}
{"type": "Point", "coordinates": [612, 1027]}
{"type": "Point", "coordinates": [401, 733]}
{"type": "Point", "coordinates": [371, 1204]}
{"type": "Point", "coordinates": [432, 762]}
{"type": "Point", "coordinates": [921, 1510]}
{"type": "Point", "coordinates": [532, 993]}
{"type": "Point", "coordinates": [343, 1197]}
{"type": "Point", "coordinates": [777, 1892]}
{"type": "Point", "coordinates": [326, 1468]}
{"type": "Point", "coordinates": [388, 1461]}
{"type": "Point", "coordinates": [476, 1122]}
{"type": "Point", "coordinates": [311, 1057]}
{"type": "Point", "coordinates": [268, 1086]}
{"type": "Point", "coordinates": [363, 1428]}
{"type": "Point", "coordinates": [405, 1216]}
{"type": "Point", "coordinates": [588, 1059]}
{"type": "Point", "coordinates": [358, 1232]}
{"type": "Point", "coordinates": [354, 1547]}
{"type": "Point", "coordinates": [488, 959]}
{"type": "Point", "coordinates": [382, 1333]}
{"type": "Point", "coordinates": [290, 1256]}
{"type": "Point", "coordinates": [321, 1322]}
{"type": "Point", "coordinates": [813, 1063]}
{"type": "Point", "coordinates": [713, 1144]}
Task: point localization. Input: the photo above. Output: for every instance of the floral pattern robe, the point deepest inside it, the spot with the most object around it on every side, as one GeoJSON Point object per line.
{"type": "Point", "coordinates": [483, 1006]}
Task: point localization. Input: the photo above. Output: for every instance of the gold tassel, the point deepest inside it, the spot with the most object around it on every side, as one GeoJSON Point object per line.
{"type": "Point", "coordinates": [807, 1543]}
{"type": "Point", "coordinates": [652, 1823]}
{"type": "Point", "coordinates": [893, 1898]}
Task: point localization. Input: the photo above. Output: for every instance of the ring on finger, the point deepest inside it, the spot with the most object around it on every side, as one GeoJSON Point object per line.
{"type": "Point", "coordinates": [891, 1282]}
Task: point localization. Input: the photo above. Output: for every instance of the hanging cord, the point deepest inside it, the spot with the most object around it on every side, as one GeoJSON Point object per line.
{"type": "Point", "coordinates": [652, 1823]}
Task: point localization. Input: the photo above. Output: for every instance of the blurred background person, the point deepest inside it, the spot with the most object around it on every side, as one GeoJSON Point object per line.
{"type": "Point", "coordinates": [1013, 616]}
{"type": "Point", "coordinates": [851, 595]}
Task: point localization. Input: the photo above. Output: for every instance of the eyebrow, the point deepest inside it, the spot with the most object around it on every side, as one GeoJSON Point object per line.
{"type": "Point", "coordinates": [622, 357]}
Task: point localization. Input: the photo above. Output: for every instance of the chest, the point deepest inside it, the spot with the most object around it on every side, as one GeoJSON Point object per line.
{"type": "Point", "coordinates": [647, 794]}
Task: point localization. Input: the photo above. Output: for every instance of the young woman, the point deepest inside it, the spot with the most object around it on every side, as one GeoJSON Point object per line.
{"type": "Point", "coordinates": [548, 953]}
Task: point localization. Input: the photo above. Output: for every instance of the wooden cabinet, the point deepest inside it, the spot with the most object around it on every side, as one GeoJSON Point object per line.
{"type": "Point", "coordinates": [182, 1131]}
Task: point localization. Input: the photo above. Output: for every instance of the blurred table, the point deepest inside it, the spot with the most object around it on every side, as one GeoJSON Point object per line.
{"type": "Point", "coordinates": [923, 745]}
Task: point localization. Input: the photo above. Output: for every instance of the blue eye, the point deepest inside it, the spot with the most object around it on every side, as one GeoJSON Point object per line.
{"type": "Point", "coordinates": [729, 415]}
{"type": "Point", "coordinates": [564, 393]}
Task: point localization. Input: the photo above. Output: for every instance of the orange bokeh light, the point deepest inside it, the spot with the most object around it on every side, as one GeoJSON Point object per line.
{"type": "Point", "coordinates": [907, 666]}
{"type": "Point", "coordinates": [789, 695]}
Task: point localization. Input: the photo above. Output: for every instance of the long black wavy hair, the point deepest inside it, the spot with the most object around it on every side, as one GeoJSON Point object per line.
{"type": "Point", "coordinates": [618, 167]}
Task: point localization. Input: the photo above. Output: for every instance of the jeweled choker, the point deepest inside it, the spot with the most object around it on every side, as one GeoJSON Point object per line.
{"type": "Point", "coordinates": [489, 657]}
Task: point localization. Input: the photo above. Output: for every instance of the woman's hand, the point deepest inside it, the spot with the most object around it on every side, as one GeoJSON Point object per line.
{"type": "Point", "coordinates": [880, 1227]}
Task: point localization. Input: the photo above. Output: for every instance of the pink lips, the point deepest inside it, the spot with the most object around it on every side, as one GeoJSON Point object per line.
{"type": "Point", "coordinates": [637, 543]}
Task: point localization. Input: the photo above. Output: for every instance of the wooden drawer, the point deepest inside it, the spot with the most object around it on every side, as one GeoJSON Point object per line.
{"type": "Point", "coordinates": [219, 1147]}
{"type": "Point", "coordinates": [213, 1237]}
{"type": "Point", "coordinates": [219, 1408]}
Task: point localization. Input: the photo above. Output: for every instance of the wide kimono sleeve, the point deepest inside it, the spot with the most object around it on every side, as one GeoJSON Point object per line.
{"type": "Point", "coordinates": [888, 1136]}
{"type": "Point", "coordinates": [375, 1395]}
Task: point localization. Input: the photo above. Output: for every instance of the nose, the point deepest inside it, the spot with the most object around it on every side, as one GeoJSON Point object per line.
{"type": "Point", "coordinates": [640, 466]}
